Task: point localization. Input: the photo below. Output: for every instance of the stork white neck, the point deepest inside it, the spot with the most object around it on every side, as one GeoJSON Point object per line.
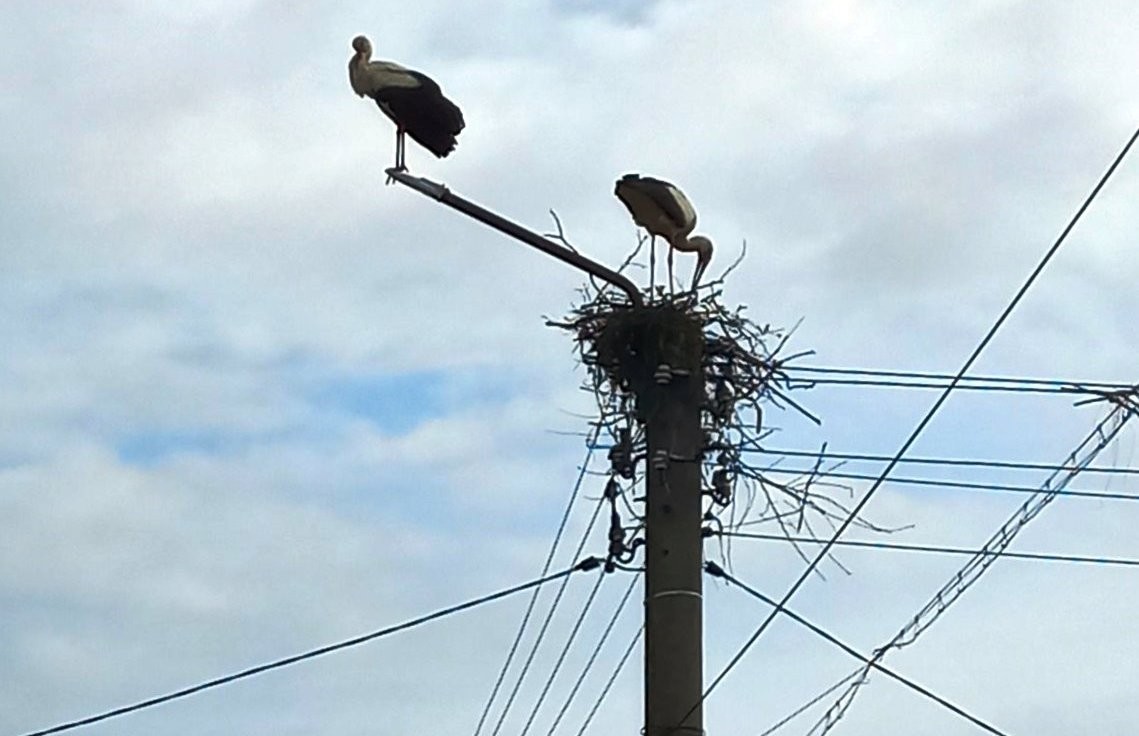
{"type": "Point", "coordinates": [363, 48]}
{"type": "Point", "coordinates": [695, 244]}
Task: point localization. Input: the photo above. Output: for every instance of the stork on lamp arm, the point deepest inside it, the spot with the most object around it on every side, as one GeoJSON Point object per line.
{"type": "Point", "coordinates": [412, 100]}
{"type": "Point", "coordinates": [663, 210]}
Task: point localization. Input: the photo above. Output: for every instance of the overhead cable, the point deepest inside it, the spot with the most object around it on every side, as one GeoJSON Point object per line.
{"type": "Point", "coordinates": [590, 441]}
{"type": "Point", "coordinates": [929, 415]}
{"type": "Point", "coordinates": [716, 571]}
{"type": "Point", "coordinates": [1040, 556]}
{"type": "Point", "coordinates": [590, 563]}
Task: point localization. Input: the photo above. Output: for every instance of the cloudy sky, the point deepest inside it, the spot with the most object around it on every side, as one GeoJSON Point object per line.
{"type": "Point", "coordinates": [254, 401]}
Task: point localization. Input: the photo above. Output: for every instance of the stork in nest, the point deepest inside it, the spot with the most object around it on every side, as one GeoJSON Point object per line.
{"type": "Point", "coordinates": [663, 210]}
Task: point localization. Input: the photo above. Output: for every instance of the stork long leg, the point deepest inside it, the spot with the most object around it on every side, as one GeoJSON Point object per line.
{"type": "Point", "coordinates": [652, 263]}
{"type": "Point", "coordinates": [670, 279]}
{"type": "Point", "coordinates": [399, 153]}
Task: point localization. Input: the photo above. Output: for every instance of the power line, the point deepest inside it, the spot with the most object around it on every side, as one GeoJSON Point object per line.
{"type": "Point", "coordinates": [590, 563]}
{"type": "Point", "coordinates": [612, 678]}
{"type": "Point", "coordinates": [810, 703]}
{"type": "Point", "coordinates": [946, 461]}
{"type": "Point", "coordinates": [593, 657]}
{"type": "Point", "coordinates": [545, 623]}
{"type": "Point", "coordinates": [939, 461]}
{"type": "Point", "coordinates": [1101, 436]}
{"type": "Point", "coordinates": [562, 656]}
{"type": "Point", "coordinates": [902, 547]}
{"type": "Point", "coordinates": [880, 383]}
{"type": "Point", "coordinates": [822, 553]}
{"type": "Point", "coordinates": [590, 441]}
{"type": "Point", "coordinates": [1056, 384]}
{"type": "Point", "coordinates": [716, 571]}
{"type": "Point", "coordinates": [956, 484]}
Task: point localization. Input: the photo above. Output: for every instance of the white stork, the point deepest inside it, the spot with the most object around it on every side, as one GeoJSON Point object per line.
{"type": "Point", "coordinates": [412, 100]}
{"type": "Point", "coordinates": [662, 209]}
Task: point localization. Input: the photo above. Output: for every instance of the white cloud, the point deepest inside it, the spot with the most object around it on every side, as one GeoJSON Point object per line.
{"type": "Point", "coordinates": [196, 234]}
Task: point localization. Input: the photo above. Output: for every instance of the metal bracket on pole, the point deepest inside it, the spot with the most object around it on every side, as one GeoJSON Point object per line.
{"type": "Point", "coordinates": [442, 194]}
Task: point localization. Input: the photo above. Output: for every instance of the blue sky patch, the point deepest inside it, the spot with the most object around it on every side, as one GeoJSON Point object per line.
{"type": "Point", "coordinates": [396, 403]}
{"type": "Point", "coordinates": [149, 446]}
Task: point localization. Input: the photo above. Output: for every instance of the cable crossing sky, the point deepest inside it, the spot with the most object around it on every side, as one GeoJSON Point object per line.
{"type": "Point", "coordinates": [590, 563]}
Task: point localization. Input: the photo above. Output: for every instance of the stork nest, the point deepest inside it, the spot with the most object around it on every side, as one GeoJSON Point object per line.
{"type": "Point", "coordinates": [742, 364]}
{"type": "Point", "coordinates": [627, 344]}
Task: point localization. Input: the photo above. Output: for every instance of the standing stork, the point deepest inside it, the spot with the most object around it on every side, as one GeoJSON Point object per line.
{"type": "Point", "coordinates": [412, 100]}
{"type": "Point", "coordinates": [662, 209]}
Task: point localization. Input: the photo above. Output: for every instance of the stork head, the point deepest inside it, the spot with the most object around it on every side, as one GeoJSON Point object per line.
{"type": "Point", "coordinates": [703, 248]}
{"type": "Point", "coordinates": [362, 46]}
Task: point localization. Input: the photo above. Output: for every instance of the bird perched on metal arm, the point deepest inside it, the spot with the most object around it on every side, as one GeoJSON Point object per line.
{"type": "Point", "coordinates": [411, 99]}
{"type": "Point", "coordinates": [663, 210]}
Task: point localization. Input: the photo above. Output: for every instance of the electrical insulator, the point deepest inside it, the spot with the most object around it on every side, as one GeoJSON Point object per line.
{"type": "Point", "coordinates": [621, 455]}
{"type": "Point", "coordinates": [721, 487]}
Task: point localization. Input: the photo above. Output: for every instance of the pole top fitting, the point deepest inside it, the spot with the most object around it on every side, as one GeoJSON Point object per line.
{"type": "Point", "coordinates": [713, 569]}
{"type": "Point", "coordinates": [432, 189]}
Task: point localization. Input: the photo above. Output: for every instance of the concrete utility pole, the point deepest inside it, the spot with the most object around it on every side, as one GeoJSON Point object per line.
{"type": "Point", "coordinates": [667, 378]}
{"type": "Point", "coordinates": [658, 350]}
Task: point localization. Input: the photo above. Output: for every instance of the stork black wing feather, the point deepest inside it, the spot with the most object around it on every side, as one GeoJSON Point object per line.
{"type": "Point", "coordinates": [429, 118]}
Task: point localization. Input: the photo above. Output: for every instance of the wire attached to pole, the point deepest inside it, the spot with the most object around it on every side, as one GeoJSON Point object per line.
{"type": "Point", "coordinates": [590, 441]}
{"type": "Point", "coordinates": [936, 549]}
{"type": "Point", "coordinates": [716, 571]}
{"type": "Point", "coordinates": [913, 437]}
{"type": "Point", "coordinates": [590, 563]}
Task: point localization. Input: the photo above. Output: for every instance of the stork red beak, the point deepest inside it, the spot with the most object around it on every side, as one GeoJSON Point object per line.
{"type": "Point", "coordinates": [702, 261]}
